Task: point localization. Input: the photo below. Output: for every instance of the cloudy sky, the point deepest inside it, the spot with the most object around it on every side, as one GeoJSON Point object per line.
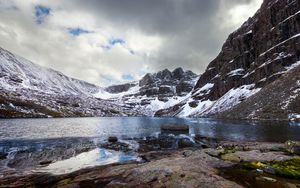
{"type": "Point", "coordinates": [112, 41]}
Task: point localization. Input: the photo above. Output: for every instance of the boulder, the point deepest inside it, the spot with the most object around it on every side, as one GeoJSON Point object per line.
{"type": "Point", "coordinates": [176, 129]}
{"type": "Point", "coordinates": [184, 143]}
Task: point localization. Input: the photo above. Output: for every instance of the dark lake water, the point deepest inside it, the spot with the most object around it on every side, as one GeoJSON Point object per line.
{"type": "Point", "coordinates": [132, 127]}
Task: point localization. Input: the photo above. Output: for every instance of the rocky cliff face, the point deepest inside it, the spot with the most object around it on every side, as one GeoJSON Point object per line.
{"type": "Point", "coordinates": [261, 51]}
{"type": "Point", "coordinates": [153, 92]}
{"type": "Point", "coordinates": [167, 84]}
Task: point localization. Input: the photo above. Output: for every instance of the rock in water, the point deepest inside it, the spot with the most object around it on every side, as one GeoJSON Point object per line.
{"type": "Point", "coordinates": [174, 129]}
{"type": "Point", "coordinates": [112, 139]}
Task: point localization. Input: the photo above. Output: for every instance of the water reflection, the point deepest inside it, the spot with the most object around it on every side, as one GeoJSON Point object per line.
{"type": "Point", "coordinates": [96, 157]}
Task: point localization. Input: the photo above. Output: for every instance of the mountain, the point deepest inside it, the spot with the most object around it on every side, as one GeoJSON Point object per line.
{"type": "Point", "coordinates": [153, 92]}
{"type": "Point", "coordinates": [256, 75]}
{"type": "Point", "coordinates": [29, 90]}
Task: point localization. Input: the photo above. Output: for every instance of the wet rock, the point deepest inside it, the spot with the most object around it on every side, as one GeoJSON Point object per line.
{"type": "Point", "coordinates": [155, 155]}
{"type": "Point", "coordinates": [165, 141]}
{"type": "Point", "coordinates": [117, 146]}
{"type": "Point", "coordinates": [206, 142]}
{"type": "Point", "coordinates": [269, 169]}
{"type": "Point", "coordinates": [112, 139]}
{"type": "Point", "coordinates": [184, 143]}
{"type": "Point", "coordinates": [156, 143]}
{"type": "Point", "coordinates": [293, 147]}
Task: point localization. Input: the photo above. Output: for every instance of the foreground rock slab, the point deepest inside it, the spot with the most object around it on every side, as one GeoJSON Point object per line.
{"type": "Point", "coordinates": [184, 168]}
{"type": "Point", "coordinates": [189, 167]}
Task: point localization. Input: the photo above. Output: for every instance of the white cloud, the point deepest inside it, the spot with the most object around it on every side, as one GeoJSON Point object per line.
{"type": "Point", "coordinates": [145, 49]}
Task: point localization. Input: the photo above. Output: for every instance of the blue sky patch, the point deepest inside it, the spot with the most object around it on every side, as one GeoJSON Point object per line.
{"type": "Point", "coordinates": [41, 12]}
{"type": "Point", "coordinates": [114, 41]}
{"type": "Point", "coordinates": [127, 77]}
{"type": "Point", "coordinates": [78, 31]}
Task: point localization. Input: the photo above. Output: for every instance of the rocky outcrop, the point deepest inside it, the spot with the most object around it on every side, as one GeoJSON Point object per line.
{"type": "Point", "coordinates": [178, 82]}
{"type": "Point", "coordinates": [263, 49]}
{"type": "Point", "coordinates": [154, 91]}
{"type": "Point", "coordinates": [258, 52]}
{"type": "Point", "coordinates": [119, 88]}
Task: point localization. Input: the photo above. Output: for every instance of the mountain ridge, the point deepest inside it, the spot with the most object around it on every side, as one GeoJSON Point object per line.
{"type": "Point", "coordinates": [262, 54]}
{"type": "Point", "coordinates": [262, 50]}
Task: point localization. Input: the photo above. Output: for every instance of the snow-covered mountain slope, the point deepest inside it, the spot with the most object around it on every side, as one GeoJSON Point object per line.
{"type": "Point", "coordinates": [280, 100]}
{"type": "Point", "coordinates": [264, 49]}
{"type": "Point", "coordinates": [29, 90]}
{"type": "Point", "coordinates": [17, 72]}
{"type": "Point", "coordinates": [153, 92]}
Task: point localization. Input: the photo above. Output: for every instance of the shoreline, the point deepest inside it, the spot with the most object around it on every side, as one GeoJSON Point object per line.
{"type": "Point", "coordinates": [210, 164]}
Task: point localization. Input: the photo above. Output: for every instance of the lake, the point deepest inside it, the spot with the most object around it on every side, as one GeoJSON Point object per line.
{"type": "Point", "coordinates": [131, 127]}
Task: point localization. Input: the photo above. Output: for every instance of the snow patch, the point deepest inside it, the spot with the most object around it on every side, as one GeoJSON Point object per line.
{"type": "Point", "coordinates": [228, 100]}
{"type": "Point", "coordinates": [264, 53]}
{"type": "Point", "coordinates": [236, 72]}
{"type": "Point", "coordinates": [293, 66]}
{"type": "Point", "coordinates": [232, 98]}
{"type": "Point", "coordinates": [205, 89]}
{"type": "Point", "coordinates": [156, 104]}
{"type": "Point", "coordinates": [187, 110]}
